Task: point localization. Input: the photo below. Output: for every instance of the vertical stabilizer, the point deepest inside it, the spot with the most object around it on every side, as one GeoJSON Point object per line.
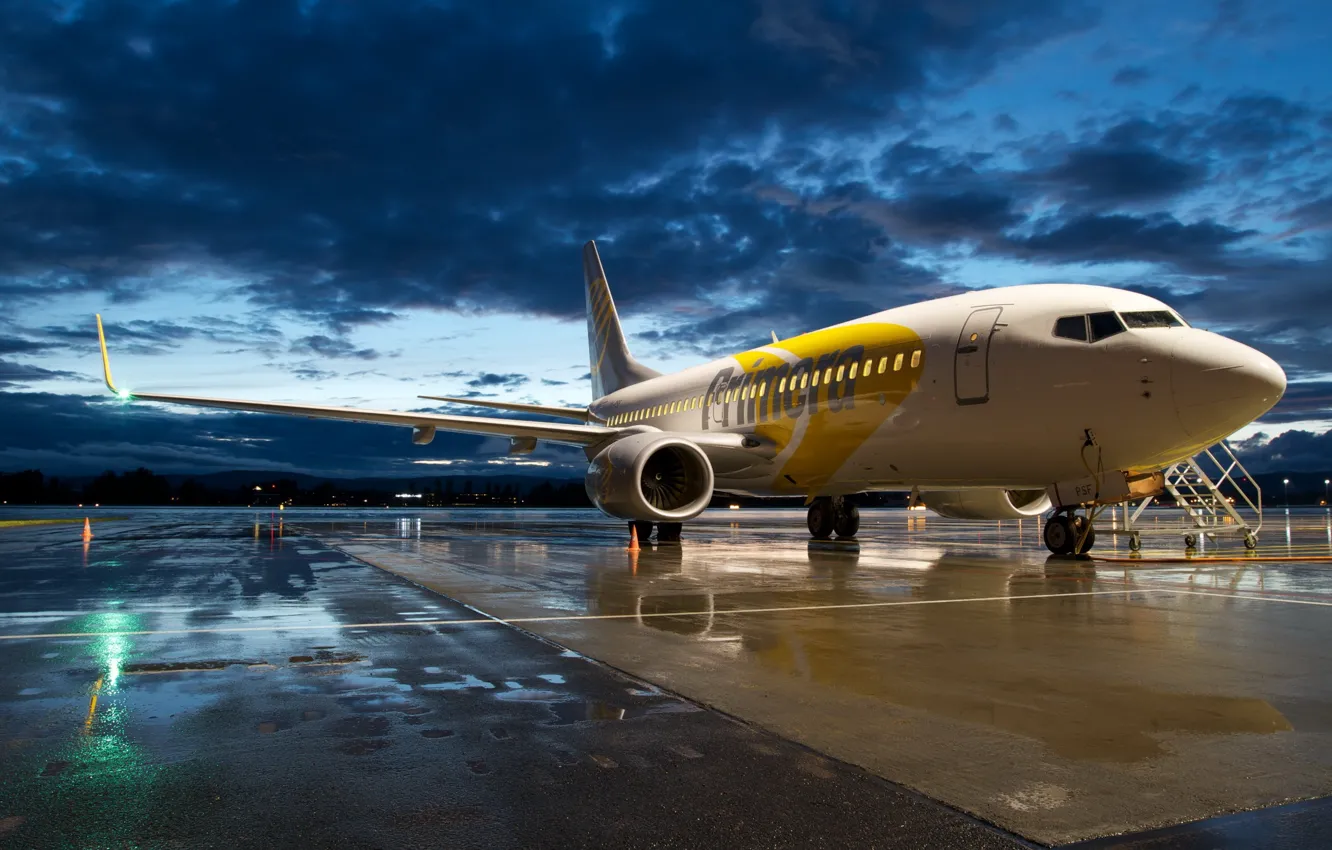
{"type": "Point", "coordinates": [613, 368]}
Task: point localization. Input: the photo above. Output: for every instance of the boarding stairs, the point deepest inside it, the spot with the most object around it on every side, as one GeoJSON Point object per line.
{"type": "Point", "coordinates": [1217, 495]}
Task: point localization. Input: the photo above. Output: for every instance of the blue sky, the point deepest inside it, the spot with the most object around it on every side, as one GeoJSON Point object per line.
{"type": "Point", "coordinates": [354, 203]}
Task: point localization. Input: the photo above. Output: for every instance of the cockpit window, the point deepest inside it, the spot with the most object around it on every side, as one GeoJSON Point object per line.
{"type": "Point", "coordinates": [1104, 325]}
{"type": "Point", "coordinates": [1071, 327]}
{"type": "Point", "coordinates": [1151, 319]}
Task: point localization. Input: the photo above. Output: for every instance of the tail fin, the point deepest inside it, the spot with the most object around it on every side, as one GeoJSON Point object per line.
{"type": "Point", "coordinates": [613, 368]}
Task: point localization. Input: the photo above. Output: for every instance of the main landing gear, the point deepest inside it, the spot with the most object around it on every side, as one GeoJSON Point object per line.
{"type": "Point", "coordinates": [833, 514]}
{"type": "Point", "coordinates": [1067, 531]}
{"type": "Point", "coordinates": [667, 532]}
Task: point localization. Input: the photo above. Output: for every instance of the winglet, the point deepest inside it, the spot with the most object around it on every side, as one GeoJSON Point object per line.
{"type": "Point", "coordinates": [106, 361]}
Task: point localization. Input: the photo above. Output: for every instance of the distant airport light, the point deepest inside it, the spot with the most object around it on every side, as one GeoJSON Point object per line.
{"type": "Point", "coordinates": [408, 496]}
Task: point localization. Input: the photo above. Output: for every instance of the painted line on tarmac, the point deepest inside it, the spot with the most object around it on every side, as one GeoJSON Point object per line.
{"type": "Point", "coordinates": [559, 618]}
{"type": "Point", "coordinates": [569, 618]}
{"type": "Point", "coordinates": [1265, 597]}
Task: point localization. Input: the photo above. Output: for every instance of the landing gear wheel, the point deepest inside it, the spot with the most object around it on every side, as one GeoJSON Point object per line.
{"type": "Point", "coordinates": [1190, 541]}
{"type": "Point", "coordinates": [821, 518]}
{"type": "Point", "coordinates": [669, 532]}
{"type": "Point", "coordinates": [1080, 523]}
{"type": "Point", "coordinates": [1059, 535]}
{"type": "Point", "coordinates": [847, 521]}
{"type": "Point", "coordinates": [644, 528]}
{"type": "Point", "coordinates": [1135, 542]}
{"type": "Point", "coordinates": [1250, 541]}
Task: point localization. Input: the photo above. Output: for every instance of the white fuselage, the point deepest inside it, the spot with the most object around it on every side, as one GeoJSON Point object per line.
{"type": "Point", "coordinates": [984, 394]}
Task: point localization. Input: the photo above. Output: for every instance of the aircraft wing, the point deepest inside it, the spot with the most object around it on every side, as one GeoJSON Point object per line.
{"type": "Point", "coordinates": [579, 414]}
{"type": "Point", "coordinates": [554, 432]}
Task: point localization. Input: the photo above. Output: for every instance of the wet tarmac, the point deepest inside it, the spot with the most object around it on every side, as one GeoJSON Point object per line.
{"type": "Point", "coordinates": [206, 679]}
{"type": "Point", "coordinates": [202, 679]}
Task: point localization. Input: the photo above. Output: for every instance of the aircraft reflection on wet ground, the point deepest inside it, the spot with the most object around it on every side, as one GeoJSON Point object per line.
{"type": "Point", "coordinates": [1059, 698]}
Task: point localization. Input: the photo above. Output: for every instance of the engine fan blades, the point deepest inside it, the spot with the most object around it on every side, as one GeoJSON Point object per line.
{"type": "Point", "coordinates": [664, 480]}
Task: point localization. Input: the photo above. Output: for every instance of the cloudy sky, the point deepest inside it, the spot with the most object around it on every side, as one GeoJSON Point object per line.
{"type": "Point", "coordinates": [354, 202]}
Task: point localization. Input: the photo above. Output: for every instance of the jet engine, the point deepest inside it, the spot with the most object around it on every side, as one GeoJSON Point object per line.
{"type": "Point", "coordinates": [654, 477]}
{"type": "Point", "coordinates": [987, 504]}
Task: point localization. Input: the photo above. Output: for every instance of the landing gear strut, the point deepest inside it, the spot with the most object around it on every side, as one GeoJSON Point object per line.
{"type": "Point", "coordinates": [1065, 530]}
{"type": "Point", "coordinates": [667, 532]}
{"type": "Point", "coordinates": [833, 514]}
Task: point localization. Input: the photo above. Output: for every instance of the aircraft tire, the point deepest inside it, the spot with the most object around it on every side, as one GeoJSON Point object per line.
{"type": "Point", "coordinates": [1059, 535]}
{"type": "Point", "coordinates": [669, 532]}
{"type": "Point", "coordinates": [846, 522]}
{"type": "Point", "coordinates": [821, 518]}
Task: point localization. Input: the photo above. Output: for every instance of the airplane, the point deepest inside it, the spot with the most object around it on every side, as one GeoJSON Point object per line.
{"type": "Point", "coordinates": [1003, 403]}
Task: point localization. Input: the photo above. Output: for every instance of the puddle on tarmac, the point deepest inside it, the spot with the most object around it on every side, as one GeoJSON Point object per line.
{"type": "Point", "coordinates": [468, 681]}
{"type": "Point", "coordinates": [567, 709]}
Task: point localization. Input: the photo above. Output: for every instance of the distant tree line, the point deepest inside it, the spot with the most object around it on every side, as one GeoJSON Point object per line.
{"type": "Point", "coordinates": [142, 487]}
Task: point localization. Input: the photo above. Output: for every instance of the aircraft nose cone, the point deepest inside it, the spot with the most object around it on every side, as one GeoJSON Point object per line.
{"type": "Point", "coordinates": [1221, 385]}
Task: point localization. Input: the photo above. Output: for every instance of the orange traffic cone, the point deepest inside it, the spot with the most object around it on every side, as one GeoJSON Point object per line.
{"type": "Point", "coordinates": [633, 537]}
{"type": "Point", "coordinates": [87, 530]}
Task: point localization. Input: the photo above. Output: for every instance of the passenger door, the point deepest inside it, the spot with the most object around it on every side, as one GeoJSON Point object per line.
{"type": "Point", "coordinates": [971, 367]}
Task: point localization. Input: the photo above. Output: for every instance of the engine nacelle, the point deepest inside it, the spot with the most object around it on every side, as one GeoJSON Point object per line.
{"type": "Point", "coordinates": [423, 434]}
{"type": "Point", "coordinates": [987, 504]}
{"type": "Point", "coordinates": [655, 477]}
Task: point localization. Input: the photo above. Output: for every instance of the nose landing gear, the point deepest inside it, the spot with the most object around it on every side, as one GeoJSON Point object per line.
{"type": "Point", "coordinates": [1067, 533]}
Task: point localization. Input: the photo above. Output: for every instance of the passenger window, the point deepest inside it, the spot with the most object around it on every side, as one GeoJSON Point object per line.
{"type": "Point", "coordinates": [1071, 327]}
{"type": "Point", "coordinates": [841, 373]}
{"type": "Point", "coordinates": [763, 388]}
{"type": "Point", "coordinates": [781, 385]}
{"type": "Point", "coordinates": [883, 364]}
{"type": "Point", "coordinates": [915, 358]}
{"type": "Point", "coordinates": [804, 380]}
{"type": "Point", "coordinates": [1104, 325]}
{"type": "Point", "coordinates": [898, 361]}
{"type": "Point", "coordinates": [815, 381]}
{"type": "Point", "coordinates": [865, 370]}
{"type": "Point", "coordinates": [854, 368]}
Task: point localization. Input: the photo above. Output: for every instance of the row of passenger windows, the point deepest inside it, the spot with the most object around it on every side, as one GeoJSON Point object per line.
{"type": "Point", "coordinates": [1098, 326]}
{"type": "Point", "coordinates": [807, 379]}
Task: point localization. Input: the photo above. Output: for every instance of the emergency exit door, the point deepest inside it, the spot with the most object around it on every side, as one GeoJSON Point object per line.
{"type": "Point", "coordinates": [971, 369]}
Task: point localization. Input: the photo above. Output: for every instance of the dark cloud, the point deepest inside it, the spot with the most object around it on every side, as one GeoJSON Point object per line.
{"type": "Point", "coordinates": [1005, 123]}
{"type": "Point", "coordinates": [1199, 246]}
{"type": "Point", "coordinates": [1295, 450]}
{"type": "Point", "coordinates": [1131, 75]}
{"type": "Point", "coordinates": [509, 381]}
{"type": "Point", "coordinates": [18, 345]}
{"type": "Point", "coordinates": [1303, 401]}
{"type": "Point", "coordinates": [1186, 95]}
{"type": "Point", "coordinates": [75, 435]}
{"type": "Point", "coordinates": [336, 159]}
{"type": "Point", "coordinates": [326, 346]}
{"type": "Point", "coordinates": [1104, 174]}
{"type": "Point", "coordinates": [22, 375]}
{"type": "Point", "coordinates": [552, 383]}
